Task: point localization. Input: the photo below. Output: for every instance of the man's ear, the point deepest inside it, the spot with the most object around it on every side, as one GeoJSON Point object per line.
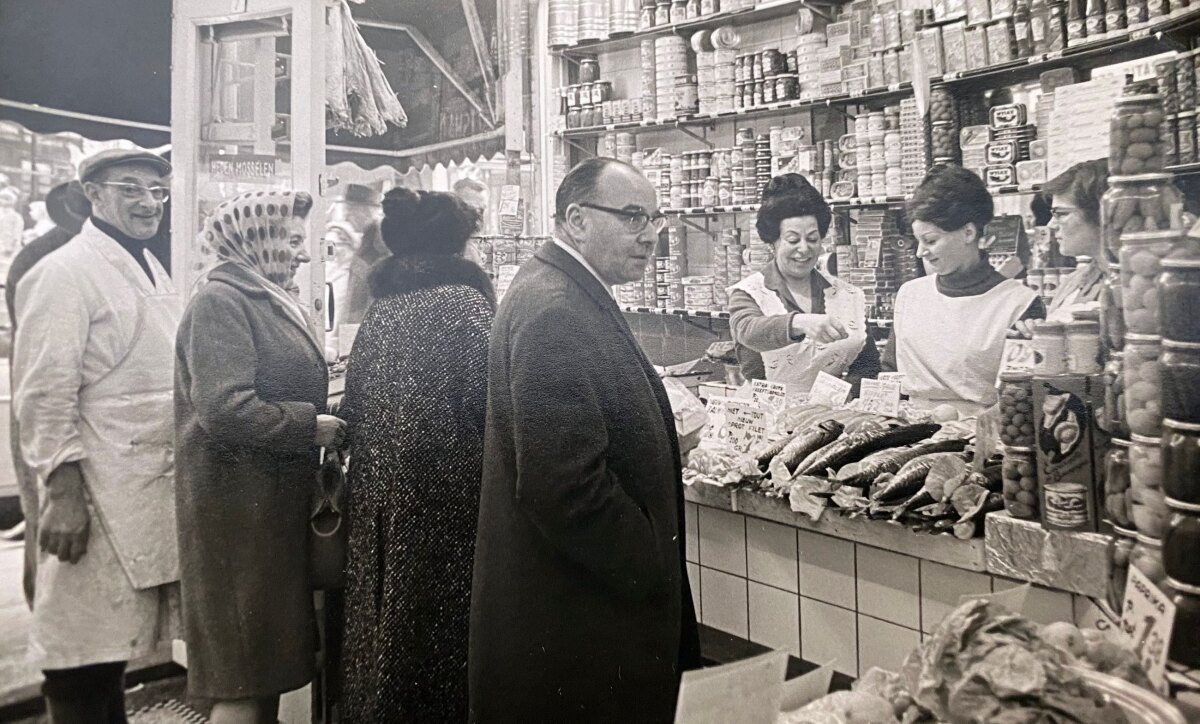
{"type": "Point", "coordinates": [576, 220]}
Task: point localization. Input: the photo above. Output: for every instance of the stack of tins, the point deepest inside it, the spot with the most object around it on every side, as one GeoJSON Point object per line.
{"type": "Point", "coordinates": [808, 65]}
{"type": "Point", "coordinates": [623, 17]}
{"type": "Point", "coordinates": [1177, 85]}
{"type": "Point", "coordinates": [649, 81]}
{"type": "Point", "coordinates": [649, 283]}
{"type": "Point", "coordinates": [670, 63]}
{"type": "Point", "coordinates": [593, 20]}
{"type": "Point", "coordinates": [564, 23]}
{"type": "Point", "coordinates": [715, 68]}
{"type": "Point", "coordinates": [744, 142]}
{"type": "Point", "coordinates": [676, 265]}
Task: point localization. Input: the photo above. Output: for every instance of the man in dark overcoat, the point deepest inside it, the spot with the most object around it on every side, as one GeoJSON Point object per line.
{"type": "Point", "coordinates": [580, 608]}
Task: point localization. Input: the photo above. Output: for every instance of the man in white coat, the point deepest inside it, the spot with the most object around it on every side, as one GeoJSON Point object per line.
{"type": "Point", "coordinates": [93, 376]}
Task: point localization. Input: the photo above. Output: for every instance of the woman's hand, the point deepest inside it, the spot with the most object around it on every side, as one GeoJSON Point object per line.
{"type": "Point", "coordinates": [1025, 327]}
{"type": "Point", "coordinates": [820, 328]}
{"type": "Point", "coordinates": [331, 432]}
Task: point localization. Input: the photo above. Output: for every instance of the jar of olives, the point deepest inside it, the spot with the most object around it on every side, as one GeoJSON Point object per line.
{"type": "Point", "coordinates": [1016, 409]}
{"type": "Point", "coordinates": [1119, 551]}
{"type": "Point", "coordinates": [1141, 261]}
{"type": "Point", "coordinates": [1181, 461]}
{"type": "Point", "coordinates": [1146, 556]}
{"type": "Point", "coordinates": [1112, 314]}
{"type": "Point", "coordinates": [1180, 371]}
{"type": "Point", "coordinates": [1181, 542]}
{"type": "Point", "coordinates": [1114, 420]}
{"type": "Point", "coordinates": [1136, 145]}
{"type": "Point", "coordinates": [1116, 484]}
{"type": "Point", "coordinates": [1133, 204]}
{"type": "Point", "coordinates": [1179, 300]}
{"type": "Point", "coordinates": [1019, 472]}
{"type": "Point", "coordinates": [1147, 501]}
{"type": "Point", "coordinates": [1143, 384]}
{"type": "Point", "coordinates": [1185, 644]}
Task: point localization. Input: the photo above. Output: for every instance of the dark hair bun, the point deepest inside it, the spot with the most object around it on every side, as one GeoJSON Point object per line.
{"type": "Point", "coordinates": [426, 222]}
{"type": "Point", "coordinates": [788, 196]}
{"type": "Point", "coordinates": [788, 184]}
{"type": "Point", "coordinates": [401, 201]}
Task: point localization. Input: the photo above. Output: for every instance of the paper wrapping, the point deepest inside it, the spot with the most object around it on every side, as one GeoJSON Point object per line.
{"type": "Point", "coordinates": [1067, 561]}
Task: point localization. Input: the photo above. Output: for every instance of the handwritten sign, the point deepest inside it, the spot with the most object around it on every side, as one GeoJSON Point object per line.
{"type": "Point", "coordinates": [771, 395]}
{"type": "Point", "coordinates": [716, 418]}
{"type": "Point", "coordinates": [828, 390]}
{"type": "Point", "coordinates": [881, 397]}
{"type": "Point", "coordinates": [1146, 620]}
{"type": "Point", "coordinates": [746, 423]}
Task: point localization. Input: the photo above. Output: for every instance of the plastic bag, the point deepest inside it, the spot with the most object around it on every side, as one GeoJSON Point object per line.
{"type": "Point", "coordinates": [690, 415]}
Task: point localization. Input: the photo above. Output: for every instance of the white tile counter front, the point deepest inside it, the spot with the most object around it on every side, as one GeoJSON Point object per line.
{"type": "Point", "coordinates": [854, 593]}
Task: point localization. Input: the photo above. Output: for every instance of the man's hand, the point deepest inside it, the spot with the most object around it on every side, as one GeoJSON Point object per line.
{"type": "Point", "coordinates": [64, 527]}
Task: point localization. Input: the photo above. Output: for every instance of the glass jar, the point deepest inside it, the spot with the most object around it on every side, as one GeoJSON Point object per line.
{"type": "Point", "coordinates": [1114, 420]}
{"type": "Point", "coordinates": [1116, 484]}
{"type": "Point", "coordinates": [1143, 384]}
{"type": "Point", "coordinates": [1083, 344]}
{"type": "Point", "coordinates": [1181, 543]}
{"type": "Point", "coordinates": [1146, 556]}
{"type": "Point", "coordinates": [1119, 551]}
{"type": "Point", "coordinates": [1112, 315]}
{"type": "Point", "coordinates": [1180, 371]}
{"type": "Point", "coordinates": [1049, 348]}
{"type": "Point", "coordinates": [1179, 300]}
{"type": "Point", "coordinates": [1141, 262]}
{"type": "Point", "coordinates": [1185, 644]}
{"type": "Point", "coordinates": [1147, 501]}
{"type": "Point", "coordinates": [1135, 138]}
{"type": "Point", "coordinates": [1016, 409]}
{"type": "Point", "coordinates": [1019, 472]}
{"type": "Point", "coordinates": [1181, 461]}
{"type": "Point", "coordinates": [1148, 202]}
{"type": "Point", "coordinates": [589, 70]}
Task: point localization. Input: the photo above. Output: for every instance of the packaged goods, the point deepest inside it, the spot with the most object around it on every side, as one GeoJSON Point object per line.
{"type": "Point", "coordinates": [975, 39]}
{"type": "Point", "coordinates": [1181, 540]}
{"type": "Point", "coordinates": [1185, 138]}
{"type": "Point", "coordinates": [1020, 486]}
{"type": "Point", "coordinates": [1181, 461]}
{"type": "Point", "coordinates": [1083, 346]}
{"type": "Point", "coordinates": [1114, 16]}
{"type": "Point", "coordinates": [1179, 299]}
{"type": "Point", "coordinates": [929, 44]}
{"type": "Point", "coordinates": [1012, 115]}
{"type": "Point", "coordinates": [954, 47]}
{"type": "Point", "coordinates": [1137, 204]}
{"type": "Point", "coordinates": [979, 12]}
{"type": "Point", "coordinates": [1050, 348]}
{"type": "Point", "coordinates": [1000, 42]}
{"type": "Point", "coordinates": [1116, 484]}
{"type": "Point", "coordinates": [1016, 410]}
{"type": "Point", "coordinates": [1069, 449]}
{"type": "Point", "coordinates": [1031, 173]}
{"type": "Point", "coordinates": [1136, 145]}
{"type": "Point", "coordinates": [1143, 384]}
{"type": "Point", "coordinates": [1077, 22]}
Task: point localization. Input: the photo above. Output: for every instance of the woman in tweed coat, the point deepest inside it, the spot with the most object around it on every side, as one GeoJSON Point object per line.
{"type": "Point", "coordinates": [416, 394]}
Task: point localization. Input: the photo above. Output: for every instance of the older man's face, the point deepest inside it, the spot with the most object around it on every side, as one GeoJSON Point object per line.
{"type": "Point", "coordinates": [605, 239]}
{"type": "Point", "coordinates": [122, 196]}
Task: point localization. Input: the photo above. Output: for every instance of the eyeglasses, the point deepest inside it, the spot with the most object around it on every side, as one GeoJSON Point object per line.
{"type": "Point", "coordinates": [635, 221]}
{"type": "Point", "coordinates": [1061, 212]}
{"type": "Point", "coordinates": [135, 191]}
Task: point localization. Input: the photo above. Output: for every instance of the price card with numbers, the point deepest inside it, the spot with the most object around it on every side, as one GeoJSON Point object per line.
{"type": "Point", "coordinates": [716, 419]}
{"type": "Point", "coordinates": [747, 424]}
{"type": "Point", "coordinates": [771, 395]}
{"type": "Point", "coordinates": [1146, 620]}
{"type": "Point", "coordinates": [881, 397]}
{"type": "Point", "coordinates": [829, 391]}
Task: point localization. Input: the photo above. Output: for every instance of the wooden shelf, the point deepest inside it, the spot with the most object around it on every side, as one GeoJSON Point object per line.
{"type": "Point", "coordinates": [691, 313]}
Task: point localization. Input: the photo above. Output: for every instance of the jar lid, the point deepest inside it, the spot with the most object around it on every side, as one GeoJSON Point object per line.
{"type": "Point", "coordinates": [1016, 376]}
{"type": "Point", "coordinates": [1172, 344]}
{"type": "Point", "coordinates": [1120, 442]}
{"type": "Point", "coordinates": [1183, 587]}
{"type": "Point", "coordinates": [1147, 540]}
{"type": "Point", "coordinates": [1143, 338]}
{"type": "Point", "coordinates": [1181, 263]}
{"type": "Point", "coordinates": [1184, 426]}
{"type": "Point", "coordinates": [1180, 505]}
{"type": "Point", "coordinates": [1083, 325]}
{"type": "Point", "coordinates": [1138, 179]}
{"type": "Point", "coordinates": [1145, 440]}
{"type": "Point", "coordinates": [1149, 237]}
{"type": "Point", "coordinates": [1006, 449]}
{"type": "Point", "coordinates": [1125, 532]}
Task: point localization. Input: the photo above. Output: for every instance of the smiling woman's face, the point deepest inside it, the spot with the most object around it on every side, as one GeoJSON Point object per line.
{"type": "Point", "coordinates": [798, 247]}
{"type": "Point", "coordinates": [946, 252]}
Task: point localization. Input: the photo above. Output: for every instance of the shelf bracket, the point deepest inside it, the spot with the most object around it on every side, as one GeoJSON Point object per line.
{"type": "Point", "coordinates": [816, 10]}
{"type": "Point", "coordinates": [587, 151]}
{"type": "Point", "coordinates": [685, 130]}
{"type": "Point", "coordinates": [702, 229]}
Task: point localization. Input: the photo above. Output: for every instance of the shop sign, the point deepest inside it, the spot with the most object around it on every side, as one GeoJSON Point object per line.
{"type": "Point", "coordinates": [746, 424]}
{"type": "Point", "coordinates": [1146, 620]}
{"type": "Point", "coordinates": [771, 395]}
{"type": "Point", "coordinates": [880, 397]}
{"type": "Point", "coordinates": [829, 391]}
{"type": "Point", "coordinates": [242, 167]}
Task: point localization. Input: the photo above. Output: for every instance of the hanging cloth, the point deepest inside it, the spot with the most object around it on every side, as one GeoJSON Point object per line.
{"type": "Point", "coordinates": [358, 96]}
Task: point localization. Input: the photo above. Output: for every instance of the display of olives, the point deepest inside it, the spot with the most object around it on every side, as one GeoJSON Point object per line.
{"type": "Point", "coordinates": [1136, 143]}
{"type": "Point", "coordinates": [1116, 484]}
{"type": "Point", "coordinates": [1147, 501]}
{"type": "Point", "coordinates": [1143, 385]}
{"type": "Point", "coordinates": [1020, 487]}
{"type": "Point", "coordinates": [1135, 205]}
{"type": "Point", "coordinates": [1016, 411]}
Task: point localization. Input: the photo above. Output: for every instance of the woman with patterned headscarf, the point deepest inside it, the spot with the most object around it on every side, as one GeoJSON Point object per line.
{"type": "Point", "coordinates": [251, 385]}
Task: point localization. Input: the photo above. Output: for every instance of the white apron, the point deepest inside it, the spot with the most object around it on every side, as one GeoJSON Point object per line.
{"type": "Point", "coordinates": [949, 348]}
{"type": "Point", "coordinates": [798, 364]}
{"type": "Point", "coordinates": [113, 605]}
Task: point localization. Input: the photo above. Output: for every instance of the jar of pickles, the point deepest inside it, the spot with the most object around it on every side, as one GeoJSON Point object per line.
{"type": "Point", "coordinates": [1141, 261]}
{"type": "Point", "coordinates": [1146, 556]}
{"type": "Point", "coordinates": [1180, 371]}
{"type": "Point", "coordinates": [1019, 472]}
{"type": "Point", "coordinates": [1116, 484]}
{"type": "Point", "coordinates": [1119, 551]}
{"type": "Point", "coordinates": [1016, 409]}
{"type": "Point", "coordinates": [1179, 300]}
{"type": "Point", "coordinates": [1143, 384]}
{"type": "Point", "coordinates": [1147, 501]}
{"type": "Point", "coordinates": [1136, 145]}
{"type": "Point", "coordinates": [1133, 204]}
{"type": "Point", "coordinates": [1114, 420]}
{"type": "Point", "coordinates": [1185, 644]}
{"type": "Point", "coordinates": [1181, 461]}
{"type": "Point", "coordinates": [1181, 543]}
{"type": "Point", "coordinates": [1112, 314]}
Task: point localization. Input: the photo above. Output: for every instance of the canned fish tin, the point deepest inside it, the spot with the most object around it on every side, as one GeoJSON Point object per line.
{"type": "Point", "coordinates": [1000, 175]}
{"type": "Point", "coordinates": [1012, 115]}
{"type": "Point", "coordinates": [1065, 506]}
{"type": "Point", "coordinates": [1003, 152]}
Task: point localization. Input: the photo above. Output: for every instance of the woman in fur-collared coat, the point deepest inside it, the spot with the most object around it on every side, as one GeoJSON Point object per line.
{"type": "Point", "coordinates": [416, 396]}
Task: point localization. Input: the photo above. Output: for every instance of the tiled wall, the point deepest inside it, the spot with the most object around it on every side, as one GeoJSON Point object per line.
{"type": "Point", "coordinates": [828, 600]}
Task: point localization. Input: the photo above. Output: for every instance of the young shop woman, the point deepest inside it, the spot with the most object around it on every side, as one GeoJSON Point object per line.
{"type": "Point", "coordinates": [792, 320]}
{"type": "Point", "coordinates": [950, 326]}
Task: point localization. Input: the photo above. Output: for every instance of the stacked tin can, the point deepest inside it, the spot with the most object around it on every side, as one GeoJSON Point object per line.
{"type": "Point", "coordinates": [715, 70]}
{"type": "Point", "coordinates": [593, 20]}
{"type": "Point", "coordinates": [670, 63]}
{"type": "Point", "coordinates": [808, 66]}
{"type": "Point", "coordinates": [914, 157]}
{"type": "Point", "coordinates": [649, 283]}
{"type": "Point", "coordinates": [1177, 84]}
{"type": "Point", "coordinates": [669, 271]}
{"type": "Point", "coordinates": [564, 23]}
{"type": "Point", "coordinates": [745, 146]}
{"type": "Point", "coordinates": [623, 17]}
{"type": "Point", "coordinates": [762, 163]}
{"type": "Point", "coordinates": [648, 84]}
{"type": "Point", "coordinates": [1011, 135]}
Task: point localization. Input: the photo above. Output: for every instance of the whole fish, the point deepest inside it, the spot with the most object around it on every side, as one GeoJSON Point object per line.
{"type": "Point", "coordinates": [763, 453]}
{"type": "Point", "coordinates": [891, 461]}
{"type": "Point", "coordinates": [802, 445]}
{"type": "Point", "coordinates": [853, 448]}
{"type": "Point", "coordinates": [905, 483]}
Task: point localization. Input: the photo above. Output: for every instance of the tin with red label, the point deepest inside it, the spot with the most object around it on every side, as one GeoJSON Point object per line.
{"type": "Point", "coordinates": [1012, 115]}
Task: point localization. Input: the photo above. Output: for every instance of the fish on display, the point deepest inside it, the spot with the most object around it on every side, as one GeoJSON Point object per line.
{"type": "Point", "coordinates": [853, 448]}
{"type": "Point", "coordinates": [892, 460]}
{"type": "Point", "coordinates": [904, 484]}
{"type": "Point", "coordinates": [802, 445]}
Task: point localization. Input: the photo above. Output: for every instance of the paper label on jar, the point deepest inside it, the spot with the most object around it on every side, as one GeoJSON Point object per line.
{"type": "Point", "coordinates": [1147, 618]}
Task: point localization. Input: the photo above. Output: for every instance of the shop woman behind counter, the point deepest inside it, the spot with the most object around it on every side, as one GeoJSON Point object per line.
{"type": "Point", "coordinates": [949, 327]}
{"type": "Point", "coordinates": [782, 317]}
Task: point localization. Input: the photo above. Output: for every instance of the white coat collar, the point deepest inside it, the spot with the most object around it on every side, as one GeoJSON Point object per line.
{"type": "Point", "coordinates": [115, 254]}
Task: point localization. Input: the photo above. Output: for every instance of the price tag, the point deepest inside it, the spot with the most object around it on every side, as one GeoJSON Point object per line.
{"type": "Point", "coordinates": [828, 390]}
{"type": "Point", "coordinates": [770, 395]}
{"type": "Point", "coordinates": [716, 419]}
{"type": "Point", "coordinates": [881, 397]}
{"type": "Point", "coordinates": [1146, 620]}
{"type": "Point", "coordinates": [746, 423]}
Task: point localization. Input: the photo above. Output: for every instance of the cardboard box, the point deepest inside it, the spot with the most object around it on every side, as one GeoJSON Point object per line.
{"type": "Point", "coordinates": [1070, 451]}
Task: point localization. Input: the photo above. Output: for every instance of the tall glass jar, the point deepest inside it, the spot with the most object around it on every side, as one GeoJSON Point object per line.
{"type": "Point", "coordinates": [1181, 543]}
{"type": "Point", "coordinates": [1116, 484]}
{"type": "Point", "coordinates": [1143, 384]}
{"type": "Point", "coordinates": [1133, 204]}
{"type": "Point", "coordinates": [1118, 572]}
{"type": "Point", "coordinates": [1019, 472]}
{"type": "Point", "coordinates": [1180, 370]}
{"type": "Point", "coordinates": [1147, 501]}
{"type": "Point", "coordinates": [1115, 420]}
{"type": "Point", "coordinates": [1016, 409]}
{"type": "Point", "coordinates": [1146, 556]}
{"type": "Point", "coordinates": [1112, 314]}
{"type": "Point", "coordinates": [1181, 461]}
{"type": "Point", "coordinates": [1136, 145]}
{"type": "Point", "coordinates": [1083, 344]}
{"type": "Point", "coordinates": [1050, 348]}
{"type": "Point", "coordinates": [1179, 300]}
{"type": "Point", "coordinates": [1141, 261]}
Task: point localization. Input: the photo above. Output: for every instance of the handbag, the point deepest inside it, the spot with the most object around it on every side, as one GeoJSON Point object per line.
{"type": "Point", "coordinates": [328, 529]}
